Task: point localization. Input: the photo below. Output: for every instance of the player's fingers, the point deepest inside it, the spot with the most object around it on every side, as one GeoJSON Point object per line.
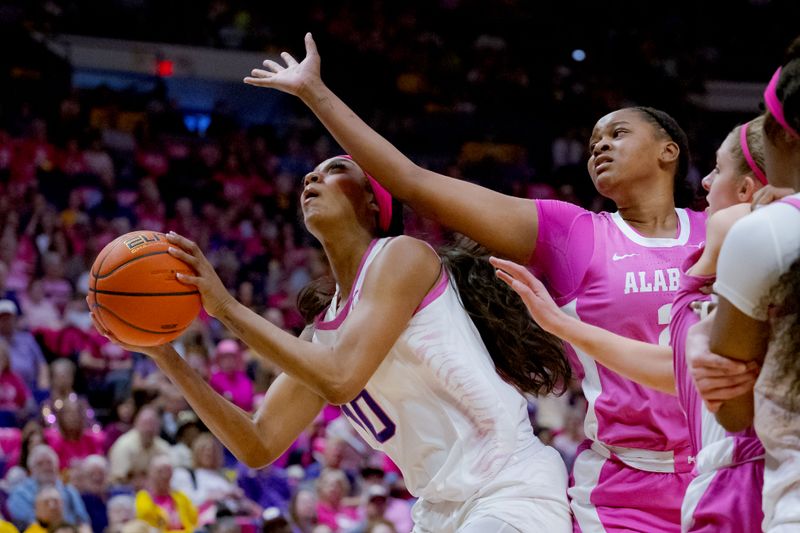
{"type": "Point", "coordinates": [274, 66]}
{"type": "Point", "coordinates": [183, 256]}
{"type": "Point", "coordinates": [290, 61]}
{"type": "Point", "coordinates": [311, 46]}
{"type": "Point", "coordinates": [713, 363]}
{"type": "Point", "coordinates": [187, 279]}
{"type": "Point", "coordinates": [712, 407]}
{"type": "Point", "coordinates": [515, 270]}
{"type": "Point", "coordinates": [718, 388]}
{"type": "Point", "coordinates": [98, 326]}
{"type": "Point", "coordinates": [259, 73]}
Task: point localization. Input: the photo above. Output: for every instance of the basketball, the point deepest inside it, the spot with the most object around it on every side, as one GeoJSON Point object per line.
{"type": "Point", "coordinates": [135, 294]}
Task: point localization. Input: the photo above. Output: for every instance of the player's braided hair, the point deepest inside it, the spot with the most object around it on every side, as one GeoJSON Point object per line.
{"type": "Point", "coordinates": [683, 191]}
{"type": "Point", "coordinates": [785, 335]}
{"type": "Point", "coordinates": [524, 355]}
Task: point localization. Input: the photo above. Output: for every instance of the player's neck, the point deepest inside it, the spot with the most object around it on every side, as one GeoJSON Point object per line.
{"type": "Point", "coordinates": [344, 255]}
{"type": "Point", "coordinates": [651, 216]}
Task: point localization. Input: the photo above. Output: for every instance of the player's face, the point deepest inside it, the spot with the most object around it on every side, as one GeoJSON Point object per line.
{"type": "Point", "coordinates": [623, 148]}
{"type": "Point", "coordinates": [336, 189]}
{"type": "Point", "coordinates": [724, 181]}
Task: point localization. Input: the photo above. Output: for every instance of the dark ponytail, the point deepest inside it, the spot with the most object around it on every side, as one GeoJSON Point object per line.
{"type": "Point", "coordinates": [315, 297]}
{"type": "Point", "coordinates": [524, 355]}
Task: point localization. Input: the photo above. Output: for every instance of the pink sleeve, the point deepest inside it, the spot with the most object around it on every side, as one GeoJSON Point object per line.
{"type": "Point", "coordinates": [564, 247]}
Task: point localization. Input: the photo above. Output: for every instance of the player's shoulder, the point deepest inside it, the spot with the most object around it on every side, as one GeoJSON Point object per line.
{"type": "Point", "coordinates": [407, 257]}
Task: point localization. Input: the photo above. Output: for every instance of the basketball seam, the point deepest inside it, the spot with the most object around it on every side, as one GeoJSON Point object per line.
{"type": "Point", "coordinates": [129, 261]}
{"type": "Point", "coordinates": [134, 326]}
{"type": "Point", "coordinates": [120, 293]}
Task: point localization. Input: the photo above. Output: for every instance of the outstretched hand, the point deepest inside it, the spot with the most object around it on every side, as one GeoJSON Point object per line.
{"type": "Point", "coordinates": [540, 304]}
{"type": "Point", "coordinates": [212, 291]}
{"type": "Point", "coordinates": [292, 78]}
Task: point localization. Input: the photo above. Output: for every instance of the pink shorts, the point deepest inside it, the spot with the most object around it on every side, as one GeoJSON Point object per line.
{"type": "Point", "coordinates": [608, 495]}
{"type": "Point", "coordinates": [725, 500]}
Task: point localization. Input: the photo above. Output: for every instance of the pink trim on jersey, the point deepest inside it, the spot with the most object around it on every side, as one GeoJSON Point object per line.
{"type": "Point", "coordinates": [795, 202]}
{"type": "Point", "coordinates": [435, 292]}
{"type": "Point", "coordinates": [335, 322]}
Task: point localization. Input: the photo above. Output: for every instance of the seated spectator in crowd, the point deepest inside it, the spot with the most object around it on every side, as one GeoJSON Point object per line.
{"type": "Point", "coordinates": [332, 487]}
{"type": "Point", "coordinates": [121, 509]}
{"type": "Point", "coordinates": [56, 287]}
{"type": "Point", "coordinates": [27, 359]}
{"type": "Point", "coordinates": [134, 450]}
{"type": "Point", "coordinates": [159, 505]}
{"type": "Point", "coordinates": [91, 480]}
{"type": "Point", "coordinates": [303, 511]}
{"type": "Point", "coordinates": [31, 436]}
{"type": "Point", "coordinates": [171, 404]}
{"type": "Point", "coordinates": [121, 421]}
{"type": "Point", "coordinates": [275, 522]}
{"type": "Point", "coordinates": [71, 439]}
{"type": "Point", "coordinates": [39, 312]}
{"type": "Point", "coordinates": [380, 526]}
{"type": "Point", "coordinates": [188, 429]}
{"type": "Point", "coordinates": [5, 292]}
{"type": "Point", "coordinates": [207, 485]}
{"type": "Point", "coordinates": [62, 388]}
{"type": "Point", "coordinates": [230, 379]}
{"type": "Point", "coordinates": [49, 510]}
{"type": "Point", "coordinates": [15, 398]}
{"type": "Point", "coordinates": [375, 501]}
{"type": "Point", "coordinates": [43, 468]}
{"type": "Point", "coordinates": [268, 486]}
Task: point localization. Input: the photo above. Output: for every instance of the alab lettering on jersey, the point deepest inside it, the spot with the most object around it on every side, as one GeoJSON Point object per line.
{"type": "Point", "coordinates": [665, 280]}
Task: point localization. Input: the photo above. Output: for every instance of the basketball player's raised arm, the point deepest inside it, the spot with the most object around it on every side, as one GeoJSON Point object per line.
{"type": "Point", "coordinates": [288, 408]}
{"type": "Point", "coordinates": [618, 353]}
{"type": "Point", "coordinates": [502, 223]}
{"type": "Point", "coordinates": [395, 284]}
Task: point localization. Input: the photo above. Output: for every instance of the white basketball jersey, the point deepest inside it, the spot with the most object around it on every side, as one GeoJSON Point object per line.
{"type": "Point", "coordinates": [436, 406]}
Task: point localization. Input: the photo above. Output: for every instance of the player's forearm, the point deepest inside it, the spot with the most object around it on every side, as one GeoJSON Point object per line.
{"type": "Point", "coordinates": [737, 414]}
{"type": "Point", "coordinates": [313, 364]}
{"type": "Point", "coordinates": [231, 425]}
{"type": "Point", "coordinates": [374, 153]}
{"type": "Point", "coordinates": [647, 364]}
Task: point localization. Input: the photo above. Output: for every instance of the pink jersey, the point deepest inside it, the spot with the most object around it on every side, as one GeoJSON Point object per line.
{"type": "Point", "coordinates": [722, 459]}
{"type": "Point", "coordinates": [602, 271]}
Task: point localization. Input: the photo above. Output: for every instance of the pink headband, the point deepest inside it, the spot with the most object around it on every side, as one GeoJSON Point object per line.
{"type": "Point", "coordinates": [748, 156]}
{"type": "Point", "coordinates": [774, 105]}
{"type": "Point", "coordinates": [382, 197]}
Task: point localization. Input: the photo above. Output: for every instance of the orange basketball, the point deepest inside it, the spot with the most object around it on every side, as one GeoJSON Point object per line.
{"type": "Point", "coordinates": [134, 291]}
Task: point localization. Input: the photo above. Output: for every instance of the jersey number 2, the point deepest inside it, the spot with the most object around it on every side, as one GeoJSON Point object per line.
{"type": "Point", "coordinates": [366, 412]}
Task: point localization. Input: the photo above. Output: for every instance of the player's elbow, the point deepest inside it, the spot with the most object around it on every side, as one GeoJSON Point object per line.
{"type": "Point", "coordinates": [258, 455]}
{"type": "Point", "coordinates": [340, 391]}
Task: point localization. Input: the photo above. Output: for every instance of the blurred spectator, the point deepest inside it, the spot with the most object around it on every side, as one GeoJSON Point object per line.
{"type": "Point", "coordinates": [207, 485]}
{"type": "Point", "coordinates": [27, 359]}
{"type": "Point", "coordinates": [39, 312]}
{"type": "Point", "coordinates": [32, 435]}
{"type": "Point", "coordinates": [275, 522]}
{"type": "Point", "coordinates": [133, 451]}
{"type": "Point", "coordinates": [159, 505]}
{"type": "Point", "coordinates": [14, 395]}
{"type": "Point", "coordinates": [332, 487]}
{"type": "Point", "coordinates": [188, 429]}
{"type": "Point", "coordinates": [303, 511]}
{"type": "Point", "coordinates": [91, 480]}
{"type": "Point", "coordinates": [375, 501]}
{"type": "Point", "coordinates": [43, 468]}
{"type": "Point", "coordinates": [268, 486]}
{"type": "Point", "coordinates": [229, 379]}
{"type": "Point", "coordinates": [121, 509]}
{"type": "Point", "coordinates": [48, 510]}
{"type": "Point", "coordinates": [121, 421]}
{"type": "Point", "coordinates": [72, 438]}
